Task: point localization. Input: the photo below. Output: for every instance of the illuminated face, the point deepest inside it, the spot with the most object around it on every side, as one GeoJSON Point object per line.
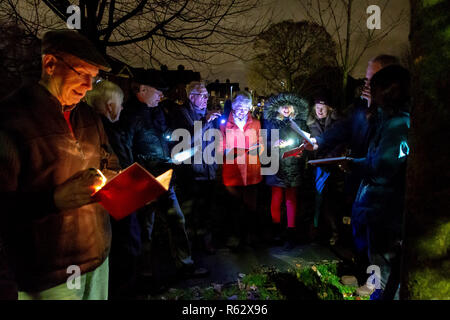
{"type": "Point", "coordinates": [114, 107]}
{"type": "Point", "coordinates": [372, 68]}
{"type": "Point", "coordinates": [240, 110]}
{"type": "Point", "coordinates": [71, 78]}
{"type": "Point", "coordinates": [199, 97]}
{"type": "Point", "coordinates": [149, 95]}
{"type": "Point", "coordinates": [321, 110]}
{"type": "Point", "coordinates": [286, 111]}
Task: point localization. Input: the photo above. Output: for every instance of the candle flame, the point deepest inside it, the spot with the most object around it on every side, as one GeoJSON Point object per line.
{"type": "Point", "coordinates": [98, 187]}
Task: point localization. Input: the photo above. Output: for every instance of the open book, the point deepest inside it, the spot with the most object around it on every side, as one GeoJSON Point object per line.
{"type": "Point", "coordinates": [237, 151]}
{"type": "Point", "coordinates": [131, 189]}
{"type": "Point", "coordinates": [294, 152]}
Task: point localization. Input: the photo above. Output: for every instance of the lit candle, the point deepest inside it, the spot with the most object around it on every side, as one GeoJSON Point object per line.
{"type": "Point", "coordinates": [103, 182]}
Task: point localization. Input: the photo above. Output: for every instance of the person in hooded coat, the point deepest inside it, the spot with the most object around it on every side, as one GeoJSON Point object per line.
{"type": "Point", "coordinates": [279, 112]}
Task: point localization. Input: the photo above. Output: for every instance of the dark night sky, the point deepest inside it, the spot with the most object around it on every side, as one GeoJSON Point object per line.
{"type": "Point", "coordinates": [395, 43]}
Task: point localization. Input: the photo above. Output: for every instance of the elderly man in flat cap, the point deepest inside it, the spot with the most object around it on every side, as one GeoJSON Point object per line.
{"type": "Point", "coordinates": [57, 240]}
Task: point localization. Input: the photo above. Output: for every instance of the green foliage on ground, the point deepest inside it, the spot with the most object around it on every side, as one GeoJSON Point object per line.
{"type": "Point", "coordinates": [323, 280]}
{"type": "Point", "coordinates": [319, 282]}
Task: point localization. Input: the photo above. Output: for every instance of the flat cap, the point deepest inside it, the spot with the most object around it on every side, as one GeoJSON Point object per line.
{"type": "Point", "coordinates": [74, 43]}
{"type": "Point", "coordinates": [152, 78]}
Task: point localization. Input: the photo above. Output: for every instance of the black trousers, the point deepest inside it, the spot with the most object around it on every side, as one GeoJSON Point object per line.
{"type": "Point", "coordinates": [169, 211]}
{"type": "Point", "coordinates": [123, 257]}
{"type": "Point", "coordinates": [241, 206]}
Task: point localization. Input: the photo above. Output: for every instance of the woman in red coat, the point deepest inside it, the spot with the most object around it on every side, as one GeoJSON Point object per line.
{"type": "Point", "coordinates": [242, 168]}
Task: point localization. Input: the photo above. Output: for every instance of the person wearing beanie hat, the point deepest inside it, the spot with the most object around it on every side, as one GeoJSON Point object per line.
{"type": "Point", "coordinates": [57, 238]}
{"type": "Point", "coordinates": [323, 117]}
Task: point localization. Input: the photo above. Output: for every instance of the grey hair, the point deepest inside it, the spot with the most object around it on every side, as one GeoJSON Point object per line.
{"type": "Point", "coordinates": [194, 85]}
{"type": "Point", "coordinates": [241, 97]}
{"type": "Point", "coordinates": [101, 93]}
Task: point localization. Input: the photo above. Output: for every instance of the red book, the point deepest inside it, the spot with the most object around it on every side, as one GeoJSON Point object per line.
{"type": "Point", "coordinates": [131, 189]}
{"type": "Point", "coordinates": [293, 152]}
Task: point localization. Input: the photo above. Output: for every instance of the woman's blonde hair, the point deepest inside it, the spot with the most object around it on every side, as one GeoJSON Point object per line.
{"type": "Point", "coordinates": [291, 113]}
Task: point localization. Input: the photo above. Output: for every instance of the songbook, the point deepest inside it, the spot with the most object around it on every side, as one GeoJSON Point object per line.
{"type": "Point", "coordinates": [131, 189]}
{"type": "Point", "coordinates": [236, 152]}
{"type": "Point", "coordinates": [327, 161]}
{"type": "Point", "coordinates": [294, 152]}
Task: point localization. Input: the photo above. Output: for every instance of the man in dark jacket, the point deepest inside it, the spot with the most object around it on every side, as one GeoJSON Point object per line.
{"type": "Point", "coordinates": [57, 240]}
{"type": "Point", "coordinates": [199, 175]}
{"type": "Point", "coordinates": [146, 135]}
{"type": "Point", "coordinates": [378, 207]}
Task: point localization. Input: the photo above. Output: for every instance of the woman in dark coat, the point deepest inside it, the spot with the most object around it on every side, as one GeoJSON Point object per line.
{"type": "Point", "coordinates": [322, 117]}
{"type": "Point", "coordinates": [278, 114]}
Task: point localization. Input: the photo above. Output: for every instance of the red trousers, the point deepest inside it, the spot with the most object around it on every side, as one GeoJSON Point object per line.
{"type": "Point", "coordinates": [291, 204]}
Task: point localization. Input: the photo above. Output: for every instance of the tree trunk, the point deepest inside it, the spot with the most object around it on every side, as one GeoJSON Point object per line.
{"type": "Point", "coordinates": [426, 264]}
{"type": "Point", "coordinates": [346, 67]}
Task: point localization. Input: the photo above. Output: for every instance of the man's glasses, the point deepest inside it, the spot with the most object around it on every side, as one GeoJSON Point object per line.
{"type": "Point", "coordinates": [203, 95]}
{"type": "Point", "coordinates": [84, 75]}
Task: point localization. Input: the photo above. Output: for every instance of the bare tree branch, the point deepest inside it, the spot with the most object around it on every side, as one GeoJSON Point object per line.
{"type": "Point", "coordinates": [349, 29]}
{"type": "Point", "coordinates": [196, 30]}
{"type": "Point", "coordinates": [288, 53]}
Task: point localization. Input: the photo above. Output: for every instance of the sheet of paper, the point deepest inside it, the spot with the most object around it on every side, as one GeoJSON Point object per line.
{"type": "Point", "coordinates": [304, 134]}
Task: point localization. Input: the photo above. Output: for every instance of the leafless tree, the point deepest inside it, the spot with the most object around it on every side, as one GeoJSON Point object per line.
{"type": "Point", "coordinates": [346, 21]}
{"type": "Point", "coordinates": [426, 242]}
{"type": "Point", "coordinates": [287, 54]}
{"type": "Point", "coordinates": [152, 31]}
{"type": "Point", "coordinates": [19, 56]}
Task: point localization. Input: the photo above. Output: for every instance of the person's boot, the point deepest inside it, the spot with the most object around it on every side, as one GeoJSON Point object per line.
{"type": "Point", "coordinates": [290, 243]}
{"type": "Point", "coordinates": [334, 238]}
{"type": "Point", "coordinates": [313, 233]}
{"type": "Point", "coordinates": [208, 244]}
{"type": "Point", "coordinates": [191, 271]}
{"type": "Point", "coordinates": [276, 234]}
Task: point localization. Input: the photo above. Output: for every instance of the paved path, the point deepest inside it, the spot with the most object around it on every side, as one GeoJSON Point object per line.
{"type": "Point", "coordinates": [226, 265]}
